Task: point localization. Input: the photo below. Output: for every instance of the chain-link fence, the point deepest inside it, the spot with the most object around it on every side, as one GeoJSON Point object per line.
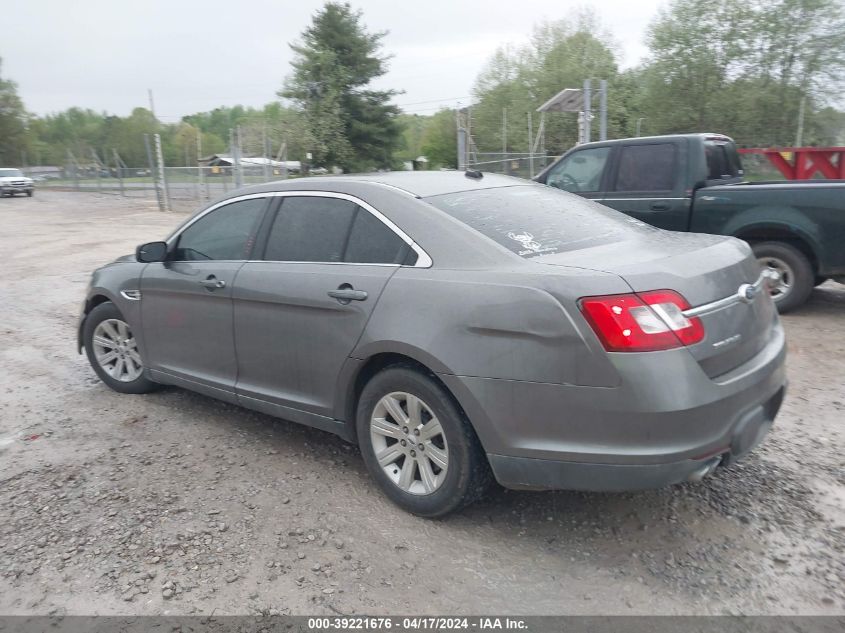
{"type": "Point", "coordinates": [523, 165]}
{"type": "Point", "coordinates": [181, 184]}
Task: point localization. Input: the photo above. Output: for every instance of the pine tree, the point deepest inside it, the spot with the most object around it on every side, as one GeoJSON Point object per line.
{"type": "Point", "coordinates": [350, 125]}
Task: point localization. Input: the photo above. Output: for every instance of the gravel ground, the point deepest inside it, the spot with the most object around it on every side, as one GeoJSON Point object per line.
{"type": "Point", "coordinates": [173, 503]}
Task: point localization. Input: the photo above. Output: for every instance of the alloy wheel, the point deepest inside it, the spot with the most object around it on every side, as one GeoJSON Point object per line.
{"type": "Point", "coordinates": [409, 443]}
{"type": "Point", "coordinates": [116, 350]}
{"type": "Point", "coordinates": [783, 286]}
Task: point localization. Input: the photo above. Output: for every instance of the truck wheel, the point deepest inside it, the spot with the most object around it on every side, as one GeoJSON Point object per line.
{"type": "Point", "coordinates": [796, 273]}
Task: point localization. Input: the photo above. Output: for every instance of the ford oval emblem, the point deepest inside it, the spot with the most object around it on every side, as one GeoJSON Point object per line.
{"type": "Point", "coordinates": [747, 292]}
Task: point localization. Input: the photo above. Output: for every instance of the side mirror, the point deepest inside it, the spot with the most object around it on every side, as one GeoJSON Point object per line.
{"type": "Point", "coordinates": [151, 252]}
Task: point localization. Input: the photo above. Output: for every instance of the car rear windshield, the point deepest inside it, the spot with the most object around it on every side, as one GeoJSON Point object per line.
{"type": "Point", "coordinates": [534, 220]}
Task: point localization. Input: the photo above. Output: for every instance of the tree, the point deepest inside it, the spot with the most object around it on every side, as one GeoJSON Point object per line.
{"type": "Point", "coordinates": [743, 67]}
{"type": "Point", "coordinates": [439, 141]}
{"type": "Point", "coordinates": [560, 55]}
{"type": "Point", "coordinates": [349, 125]}
{"type": "Point", "coordinates": [13, 121]}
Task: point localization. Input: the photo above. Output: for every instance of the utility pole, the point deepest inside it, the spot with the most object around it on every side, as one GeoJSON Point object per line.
{"type": "Point", "coordinates": [152, 105]}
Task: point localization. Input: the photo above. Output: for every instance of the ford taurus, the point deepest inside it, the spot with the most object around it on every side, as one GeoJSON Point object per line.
{"type": "Point", "coordinates": [458, 328]}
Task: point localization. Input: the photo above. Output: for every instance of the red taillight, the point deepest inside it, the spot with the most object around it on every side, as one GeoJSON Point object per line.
{"type": "Point", "coordinates": [642, 322]}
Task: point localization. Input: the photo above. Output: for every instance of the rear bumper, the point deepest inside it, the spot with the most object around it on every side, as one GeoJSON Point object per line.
{"type": "Point", "coordinates": [547, 474]}
{"type": "Point", "coordinates": [666, 422]}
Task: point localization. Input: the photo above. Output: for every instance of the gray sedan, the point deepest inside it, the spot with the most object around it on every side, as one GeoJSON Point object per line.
{"type": "Point", "coordinates": [459, 328]}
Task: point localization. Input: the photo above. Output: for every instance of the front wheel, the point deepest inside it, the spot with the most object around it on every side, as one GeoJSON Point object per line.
{"type": "Point", "coordinates": [417, 445]}
{"type": "Point", "coordinates": [29, 193]}
{"type": "Point", "coordinates": [112, 350]}
{"type": "Point", "coordinates": [796, 280]}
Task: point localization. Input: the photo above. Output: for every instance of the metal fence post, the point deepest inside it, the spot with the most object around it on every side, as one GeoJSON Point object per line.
{"type": "Point", "coordinates": [587, 110]}
{"type": "Point", "coordinates": [603, 110]}
{"type": "Point", "coordinates": [119, 170]}
{"type": "Point", "coordinates": [200, 175]}
{"type": "Point", "coordinates": [266, 152]}
{"type": "Point", "coordinates": [530, 148]}
{"type": "Point", "coordinates": [235, 144]}
{"type": "Point", "coordinates": [98, 168]}
{"type": "Point", "coordinates": [152, 165]}
{"type": "Point", "coordinates": [161, 180]}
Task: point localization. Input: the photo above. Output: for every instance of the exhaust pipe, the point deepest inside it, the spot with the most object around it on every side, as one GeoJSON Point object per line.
{"type": "Point", "coordinates": [706, 469]}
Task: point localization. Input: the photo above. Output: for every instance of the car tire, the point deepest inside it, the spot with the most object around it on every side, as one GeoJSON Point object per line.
{"type": "Point", "coordinates": [29, 194]}
{"type": "Point", "coordinates": [112, 350]}
{"type": "Point", "coordinates": [430, 491]}
{"type": "Point", "coordinates": [797, 277]}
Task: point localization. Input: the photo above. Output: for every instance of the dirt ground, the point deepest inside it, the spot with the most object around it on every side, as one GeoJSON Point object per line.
{"type": "Point", "coordinates": [173, 503]}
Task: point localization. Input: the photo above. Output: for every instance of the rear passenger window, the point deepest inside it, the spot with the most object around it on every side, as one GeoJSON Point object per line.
{"type": "Point", "coordinates": [310, 229]}
{"type": "Point", "coordinates": [373, 242]}
{"type": "Point", "coordinates": [647, 168]}
{"type": "Point", "coordinates": [317, 229]}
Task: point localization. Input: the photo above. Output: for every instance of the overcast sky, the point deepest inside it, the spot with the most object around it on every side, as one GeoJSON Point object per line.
{"type": "Point", "coordinates": [197, 55]}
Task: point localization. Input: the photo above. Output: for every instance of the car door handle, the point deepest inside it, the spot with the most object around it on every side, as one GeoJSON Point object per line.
{"type": "Point", "coordinates": [347, 293]}
{"type": "Point", "coordinates": [212, 283]}
{"type": "Point", "coordinates": [659, 206]}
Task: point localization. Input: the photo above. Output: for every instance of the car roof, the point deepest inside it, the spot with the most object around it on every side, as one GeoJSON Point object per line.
{"type": "Point", "coordinates": [420, 184]}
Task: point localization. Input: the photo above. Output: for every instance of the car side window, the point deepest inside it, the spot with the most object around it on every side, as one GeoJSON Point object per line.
{"type": "Point", "coordinates": [371, 241]}
{"type": "Point", "coordinates": [581, 171]}
{"type": "Point", "coordinates": [324, 229]}
{"type": "Point", "coordinates": [310, 229]}
{"type": "Point", "coordinates": [227, 233]}
{"type": "Point", "coordinates": [649, 167]}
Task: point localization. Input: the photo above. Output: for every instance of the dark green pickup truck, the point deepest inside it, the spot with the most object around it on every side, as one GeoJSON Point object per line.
{"type": "Point", "coordinates": [694, 182]}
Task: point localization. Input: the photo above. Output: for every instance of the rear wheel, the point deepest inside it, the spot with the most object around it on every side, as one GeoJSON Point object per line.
{"type": "Point", "coordinates": [417, 445]}
{"type": "Point", "coordinates": [796, 273]}
{"type": "Point", "coordinates": [112, 350]}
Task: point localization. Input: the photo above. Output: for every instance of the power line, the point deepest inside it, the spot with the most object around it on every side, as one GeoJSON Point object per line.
{"type": "Point", "coordinates": [432, 101]}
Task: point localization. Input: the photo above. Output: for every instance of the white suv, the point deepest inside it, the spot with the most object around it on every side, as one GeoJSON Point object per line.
{"type": "Point", "coordinates": [13, 181]}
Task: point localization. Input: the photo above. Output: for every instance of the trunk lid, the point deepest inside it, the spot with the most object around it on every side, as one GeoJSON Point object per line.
{"type": "Point", "coordinates": [702, 268]}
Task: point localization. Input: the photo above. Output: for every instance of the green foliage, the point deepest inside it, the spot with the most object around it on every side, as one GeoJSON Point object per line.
{"type": "Point", "coordinates": [13, 119]}
{"type": "Point", "coordinates": [439, 141]}
{"type": "Point", "coordinates": [515, 82]}
{"type": "Point", "coordinates": [743, 68]}
{"type": "Point", "coordinates": [348, 124]}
